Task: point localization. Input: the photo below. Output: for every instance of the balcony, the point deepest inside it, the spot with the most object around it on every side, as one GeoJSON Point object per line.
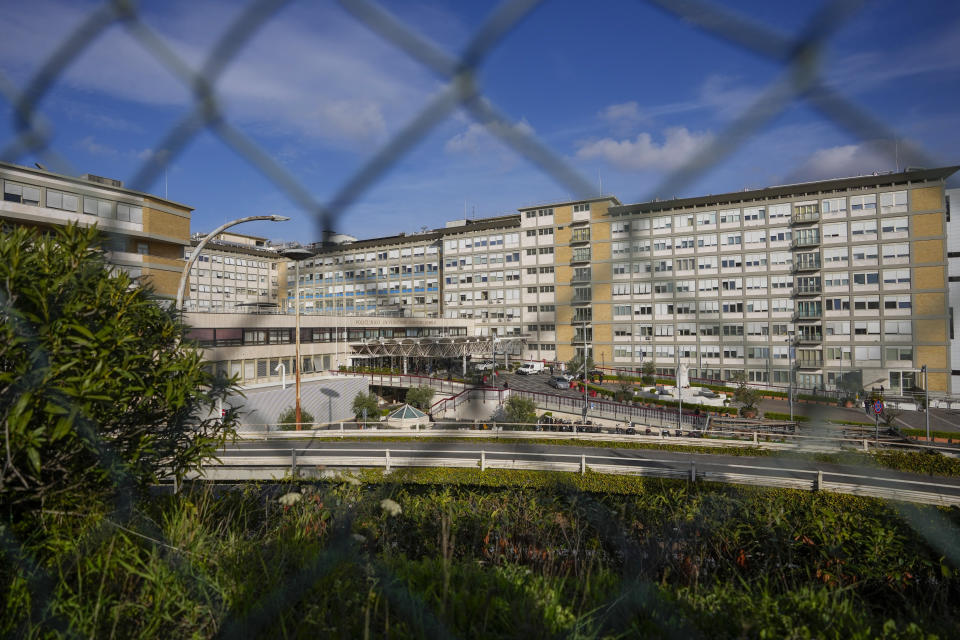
{"type": "Point", "coordinates": [580, 236]}
{"type": "Point", "coordinates": [581, 299]}
{"type": "Point", "coordinates": [805, 217]}
{"type": "Point", "coordinates": [810, 337]}
{"type": "Point", "coordinates": [809, 360]}
{"type": "Point", "coordinates": [578, 257]}
{"type": "Point", "coordinates": [807, 265]}
{"type": "Point", "coordinates": [807, 289]}
{"type": "Point", "coordinates": [806, 240]}
{"type": "Point", "coordinates": [808, 313]}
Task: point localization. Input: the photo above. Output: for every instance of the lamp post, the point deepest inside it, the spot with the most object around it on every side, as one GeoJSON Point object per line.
{"type": "Point", "coordinates": [585, 405]}
{"type": "Point", "coordinates": [791, 355]}
{"type": "Point", "coordinates": [926, 399]}
{"type": "Point", "coordinates": [297, 254]}
{"type": "Point", "coordinates": [203, 243]}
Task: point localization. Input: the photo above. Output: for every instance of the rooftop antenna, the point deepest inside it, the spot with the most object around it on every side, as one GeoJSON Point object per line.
{"type": "Point", "coordinates": [600, 180]}
{"type": "Point", "coordinates": [165, 183]}
{"type": "Point", "coordinates": [896, 148]}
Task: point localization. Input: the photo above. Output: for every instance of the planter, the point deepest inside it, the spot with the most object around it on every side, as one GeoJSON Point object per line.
{"type": "Point", "coordinates": [749, 413]}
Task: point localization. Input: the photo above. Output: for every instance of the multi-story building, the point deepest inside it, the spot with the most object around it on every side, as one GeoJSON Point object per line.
{"type": "Point", "coordinates": [805, 282]}
{"type": "Point", "coordinates": [234, 273]}
{"type": "Point", "coordinates": [818, 278]}
{"type": "Point", "coordinates": [394, 275]}
{"type": "Point", "coordinates": [145, 234]}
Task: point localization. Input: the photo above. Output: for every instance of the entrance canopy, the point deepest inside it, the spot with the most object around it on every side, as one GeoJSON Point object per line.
{"type": "Point", "coordinates": [455, 347]}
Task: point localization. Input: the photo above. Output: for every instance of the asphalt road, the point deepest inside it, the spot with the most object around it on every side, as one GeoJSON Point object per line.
{"type": "Point", "coordinates": [760, 467]}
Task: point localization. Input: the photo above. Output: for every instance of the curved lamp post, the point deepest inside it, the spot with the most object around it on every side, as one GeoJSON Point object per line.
{"type": "Point", "coordinates": [297, 254]}
{"type": "Point", "coordinates": [203, 243]}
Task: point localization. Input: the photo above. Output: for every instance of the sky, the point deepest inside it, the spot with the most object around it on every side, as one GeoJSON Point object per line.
{"type": "Point", "coordinates": [624, 93]}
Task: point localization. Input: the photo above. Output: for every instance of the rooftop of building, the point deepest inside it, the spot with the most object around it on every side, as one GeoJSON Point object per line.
{"type": "Point", "coordinates": [90, 180]}
{"type": "Point", "coordinates": [564, 203]}
{"type": "Point", "coordinates": [816, 188]}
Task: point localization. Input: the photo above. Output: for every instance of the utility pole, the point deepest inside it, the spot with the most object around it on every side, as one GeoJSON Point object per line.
{"type": "Point", "coordinates": [926, 399]}
{"type": "Point", "coordinates": [297, 254]}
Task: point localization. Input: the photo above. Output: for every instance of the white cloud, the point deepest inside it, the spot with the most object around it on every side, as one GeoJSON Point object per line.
{"type": "Point", "coordinates": [679, 145]}
{"type": "Point", "coordinates": [623, 113]}
{"type": "Point", "coordinates": [852, 160]}
{"type": "Point", "coordinates": [477, 138]}
{"type": "Point", "coordinates": [310, 71]}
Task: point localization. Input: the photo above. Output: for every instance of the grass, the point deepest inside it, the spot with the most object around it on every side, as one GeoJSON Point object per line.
{"type": "Point", "coordinates": [484, 555]}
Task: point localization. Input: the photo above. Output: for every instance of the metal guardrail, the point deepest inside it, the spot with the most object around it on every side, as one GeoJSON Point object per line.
{"type": "Point", "coordinates": [273, 467]}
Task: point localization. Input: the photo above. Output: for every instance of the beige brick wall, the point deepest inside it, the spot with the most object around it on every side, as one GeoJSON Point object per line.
{"type": "Point", "coordinates": [603, 312]}
{"type": "Point", "coordinates": [563, 215]}
{"type": "Point", "coordinates": [937, 381]}
{"type": "Point", "coordinates": [166, 224]}
{"type": "Point", "coordinates": [926, 198]}
{"type": "Point", "coordinates": [926, 250]}
{"type": "Point", "coordinates": [929, 278]}
{"type": "Point", "coordinates": [935, 357]}
{"type": "Point", "coordinates": [561, 255]}
{"type": "Point", "coordinates": [164, 282]}
{"type": "Point", "coordinates": [930, 330]}
{"type": "Point", "coordinates": [600, 251]}
{"type": "Point", "coordinates": [927, 224]}
{"type": "Point", "coordinates": [928, 304]}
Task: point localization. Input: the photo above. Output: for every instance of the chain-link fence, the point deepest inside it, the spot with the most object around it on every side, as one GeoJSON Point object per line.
{"type": "Point", "coordinates": [799, 56]}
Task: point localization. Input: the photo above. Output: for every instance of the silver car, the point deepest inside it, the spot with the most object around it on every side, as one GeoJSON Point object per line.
{"type": "Point", "coordinates": [559, 382]}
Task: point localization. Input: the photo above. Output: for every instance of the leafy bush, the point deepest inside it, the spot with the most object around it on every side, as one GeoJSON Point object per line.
{"type": "Point", "coordinates": [97, 387]}
{"type": "Point", "coordinates": [420, 397]}
{"type": "Point", "coordinates": [774, 415]}
{"type": "Point", "coordinates": [288, 418]}
{"type": "Point", "coordinates": [520, 410]}
{"type": "Point", "coordinates": [366, 401]}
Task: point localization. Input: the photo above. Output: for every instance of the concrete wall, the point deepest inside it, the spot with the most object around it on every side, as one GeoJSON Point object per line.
{"type": "Point", "coordinates": [328, 399]}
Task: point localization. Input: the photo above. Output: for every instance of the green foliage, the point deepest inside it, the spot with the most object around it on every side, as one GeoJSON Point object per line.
{"type": "Point", "coordinates": [520, 410]}
{"type": "Point", "coordinates": [648, 369]}
{"type": "Point", "coordinates": [744, 394]}
{"type": "Point", "coordinates": [922, 433]}
{"type": "Point", "coordinates": [288, 418]}
{"type": "Point", "coordinates": [366, 401]}
{"type": "Point", "coordinates": [575, 365]}
{"type": "Point", "coordinates": [773, 415]}
{"type": "Point", "coordinates": [492, 554]}
{"type": "Point", "coordinates": [98, 392]}
{"type": "Point", "coordinates": [420, 397]}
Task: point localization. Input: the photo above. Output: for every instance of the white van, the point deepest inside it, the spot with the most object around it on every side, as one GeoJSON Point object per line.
{"type": "Point", "coordinates": [528, 368]}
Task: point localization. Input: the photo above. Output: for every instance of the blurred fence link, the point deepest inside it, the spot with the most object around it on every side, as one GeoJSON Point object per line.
{"type": "Point", "coordinates": [800, 57]}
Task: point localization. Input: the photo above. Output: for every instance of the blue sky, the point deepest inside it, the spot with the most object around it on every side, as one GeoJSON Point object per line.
{"type": "Point", "coordinates": [622, 91]}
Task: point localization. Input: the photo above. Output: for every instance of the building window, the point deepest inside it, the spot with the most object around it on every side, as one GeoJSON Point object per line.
{"type": "Point", "coordinates": [61, 200]}
{"type": "Point", "coordinates": [22, 193]}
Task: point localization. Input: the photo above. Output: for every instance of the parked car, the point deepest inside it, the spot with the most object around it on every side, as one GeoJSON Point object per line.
{"type": "Point", "coordinates": [566, 375]}
{"type": "Point", "coordinates": [487, 365]}
{"type": "Point", "coordinates": [559, 382]}
{"type": "Point", "coordinates": [528, 368]}
{"type": "Point", "coordinates": [593, 373]}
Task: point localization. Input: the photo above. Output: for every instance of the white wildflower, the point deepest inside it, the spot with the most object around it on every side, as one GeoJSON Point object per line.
{"type": "Point", "coordinates": [359, 538]}
{"type": "Point", "coordinates": [289, 499]}
{"type": "Point", "coordinates": [390, 507]}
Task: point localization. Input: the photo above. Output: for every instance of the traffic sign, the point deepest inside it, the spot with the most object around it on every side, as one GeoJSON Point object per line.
{"type": "Point", "coordinates": [878, 407]}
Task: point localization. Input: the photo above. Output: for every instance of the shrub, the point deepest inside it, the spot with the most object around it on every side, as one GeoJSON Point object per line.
{"type": "Point", "coordinates": [518, 409]}
{"type": "Point", "coordinates": [366, 401]}
{"type": "Point", "coordinates": [97, 385]}
{"type": "Point", "coordinates": [420, 397]}
{"type": "Point", "coordinates": [288, 418]}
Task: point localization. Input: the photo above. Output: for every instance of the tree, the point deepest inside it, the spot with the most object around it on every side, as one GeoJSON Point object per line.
{"type": "Point", "coordinates": [420, 397]}
{"type": "Point", "coordinates": [520, 410]}
{"type": "Point", "coordinates": [288, 418]}
{"type": "Point", "coordinates": [746, 396]}
{"type": "Point", "coordinates": [575, 365]}
{"type": "Point", "coordinates": [648, 370]}
{"type": "Point", "coordinates": [99, 393]}
{"type": "Point", "coordinates": [366, 401]}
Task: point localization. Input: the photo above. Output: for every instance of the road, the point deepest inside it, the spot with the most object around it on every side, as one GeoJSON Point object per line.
{"type": "Point", "coordinates": [762, 471]}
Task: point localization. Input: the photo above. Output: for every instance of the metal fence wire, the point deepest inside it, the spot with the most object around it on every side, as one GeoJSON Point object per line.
{"type": "Point", "coordinates": [799, 56]}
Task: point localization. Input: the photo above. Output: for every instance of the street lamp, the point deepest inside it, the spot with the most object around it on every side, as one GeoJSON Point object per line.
{"type": "Point", "coordinates": [791, 354]}
{"type": "Point", "coordinates": [203, 243]}
{"type": "Point", "coordinates": [585, 405]}
{"type": "Point", "coordinates": [297, 254]}
{"type": "Point", "coordinates": [926, 399]}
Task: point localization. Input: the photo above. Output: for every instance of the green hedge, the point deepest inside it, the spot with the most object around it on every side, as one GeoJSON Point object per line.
{"type": "Point", "coordinates": [773, 415]}
{"type": "Point", "coordinates": [921, 433]}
